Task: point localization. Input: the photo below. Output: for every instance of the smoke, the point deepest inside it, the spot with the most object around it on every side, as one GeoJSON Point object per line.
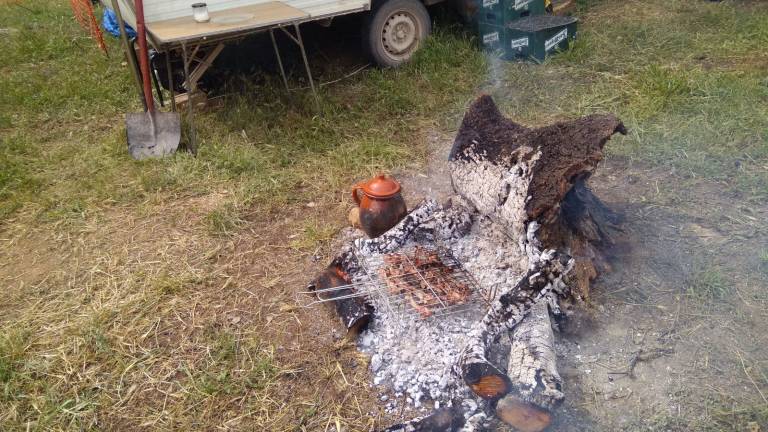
{"type": "Point", "coordinates": [495, 71]}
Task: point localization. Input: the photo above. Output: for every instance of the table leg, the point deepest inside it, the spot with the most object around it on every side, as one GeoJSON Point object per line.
{"type": "Point", "coordinates": [306, 64]}
{"type": "Point", "coordinates": [279, 59]}
{"type": "Point", "coordinates": [190, 92]}
{"type": "Point", "coordinates": [170, 79]}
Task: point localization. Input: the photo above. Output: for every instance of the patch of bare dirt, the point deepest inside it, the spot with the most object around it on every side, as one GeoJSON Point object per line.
{"type": "Point", "coordinates": [198, 331]}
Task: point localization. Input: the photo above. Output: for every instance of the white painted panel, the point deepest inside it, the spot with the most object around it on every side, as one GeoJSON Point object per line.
{"type": "Point", "coordinates": [158, 10]}
{"type": "Point", "coordinates": [323, 8]}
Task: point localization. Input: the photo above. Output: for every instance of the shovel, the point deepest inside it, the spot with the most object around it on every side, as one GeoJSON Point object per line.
{"type": "Point", "coordinates": [151, 133]}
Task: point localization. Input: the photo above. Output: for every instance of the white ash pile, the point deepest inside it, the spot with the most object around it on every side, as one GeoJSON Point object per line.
{"type": "Point", "coordinates": [414, 357]}
{"type": "Point", "coordinates": [523, 220]}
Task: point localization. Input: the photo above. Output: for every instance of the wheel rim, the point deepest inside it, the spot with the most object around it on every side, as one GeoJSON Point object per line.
{"type": "Point", "coordinates": [400, 35]}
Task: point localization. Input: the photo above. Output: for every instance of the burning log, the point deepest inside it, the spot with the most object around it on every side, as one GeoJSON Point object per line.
{"type": "Point", "coordinates": [398, 235]}
{"type": "Point", "coordinates": [355, 313]}
{"type": "Point", "coordinates": [532, 370]}
{"type": "Point", "coordinates": [428, 221]}
{"type": "Point", "coordinates": [482, 377]}
{"type": "Point", "coordinates": [441, 420]}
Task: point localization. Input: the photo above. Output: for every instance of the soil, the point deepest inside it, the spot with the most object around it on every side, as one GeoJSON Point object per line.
{"type": "Point", "coordinates": [656, 349]}
{"type": "Point", "coordinates": [685, 304]}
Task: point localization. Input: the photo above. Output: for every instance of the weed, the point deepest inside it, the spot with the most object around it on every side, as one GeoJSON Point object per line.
{"type": "Point", "coordinates": [314, 234]}
{"type": "Point", "coordinates": [171, 284]}
{"type": "Point", "coordinates": [763, 264]}
{"type": "Point", "coordinates": [224, 220]}
{"type": "Point", "coordinates": [13, 344]}
{"type": "Point", "coordinates": [709, 284]}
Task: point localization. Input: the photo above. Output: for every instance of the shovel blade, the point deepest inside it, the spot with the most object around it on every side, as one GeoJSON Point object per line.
{"type": "Point", "coordinates": [152, 135]}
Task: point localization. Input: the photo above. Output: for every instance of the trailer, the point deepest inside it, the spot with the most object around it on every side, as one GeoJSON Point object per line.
{"type": "Point", "coordinates": [393, 29]}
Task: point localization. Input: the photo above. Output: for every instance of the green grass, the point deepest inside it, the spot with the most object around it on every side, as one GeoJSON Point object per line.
{"type": "Point", "coordinates": [224, 220]}
{"type": "Point", "coordinates": [106, 338]}
{"type": "Point", "coordinates": [62, 154]}
{"type": "Point", "coordinates": [687, 78]}
{"type": "Point", "coordinates": [121, 298]}
{"type": "Point", "coordinates": [709, 284]}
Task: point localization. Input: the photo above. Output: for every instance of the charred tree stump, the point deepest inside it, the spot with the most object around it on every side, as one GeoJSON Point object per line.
{"type": "Point", "coordinates": [532, 370]}
{"type": "Point", "coordinates": [515, 174]}
{"type": "Point", "coordinates": [523, 179]}
{"type": "Point", "coordinates": [588, 228]}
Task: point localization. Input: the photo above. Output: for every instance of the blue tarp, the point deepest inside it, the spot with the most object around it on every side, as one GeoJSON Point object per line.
{"type": "Point", "coordinates": [109, 22]}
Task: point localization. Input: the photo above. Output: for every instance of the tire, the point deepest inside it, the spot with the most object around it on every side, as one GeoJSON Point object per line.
{"type": "Point", "coordinates": [394, 30]}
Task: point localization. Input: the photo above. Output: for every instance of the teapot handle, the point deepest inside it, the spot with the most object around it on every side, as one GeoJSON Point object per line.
{"type": "Point", "coordinates": [355, 195]}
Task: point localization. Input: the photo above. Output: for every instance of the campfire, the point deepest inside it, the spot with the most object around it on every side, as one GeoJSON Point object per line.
{"type": "Point", "coordinates": [453, 304]}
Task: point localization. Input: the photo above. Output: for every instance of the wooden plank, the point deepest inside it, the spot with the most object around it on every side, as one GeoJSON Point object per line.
{"type": "Point", "coordinates": [240, 19]}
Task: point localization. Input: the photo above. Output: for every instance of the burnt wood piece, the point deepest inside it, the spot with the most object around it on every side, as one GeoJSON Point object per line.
{"type": "Point", "coordinates": [523, 416]}
{"type": "Point", "coordinates": [532, 366]}
{"type": "Point", "coordinates": [483, 378]}
{"type": "Point", "coordinates": [355, 313]}
{"type": "Point", "coordinates": [441, 420]}
{"type": "Point", "coordinates": [532, 371]}
{"type": "Point", "coordinates": [452, 221]}
{"type": "Point", "coordinates": [399, 235]}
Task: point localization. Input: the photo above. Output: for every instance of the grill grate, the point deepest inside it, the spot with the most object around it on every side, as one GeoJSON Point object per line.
{"type": "Point", "coordinates": [419, 281]}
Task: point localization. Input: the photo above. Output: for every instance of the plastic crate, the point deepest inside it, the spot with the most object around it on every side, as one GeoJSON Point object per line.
{"type": "Point", "coordinates": [539, 36]}
{"type": "Point", "coordinates": [492, 37]}
{"type": "Point", "coordinates": [502, 12]}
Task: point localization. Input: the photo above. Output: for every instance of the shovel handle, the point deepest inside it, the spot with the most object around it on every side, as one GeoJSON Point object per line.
{"type": "Point", "coordinates": [141, 33]}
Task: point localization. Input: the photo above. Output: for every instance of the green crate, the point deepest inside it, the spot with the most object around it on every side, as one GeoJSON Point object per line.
{"type": "Point", "coordinates": [492, 37]}
{"type": "Point", "coordinates": [502, 12]}
{"type": "Point", "coordinates": [537, 37]}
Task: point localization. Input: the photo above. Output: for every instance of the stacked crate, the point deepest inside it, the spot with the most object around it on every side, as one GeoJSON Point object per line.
{"type": "Point", "coordinates": [492, 16]}
{"type": "Point", "coordinates": [519, 28]}
{"type": "Point", "coordinates": [537, 37]}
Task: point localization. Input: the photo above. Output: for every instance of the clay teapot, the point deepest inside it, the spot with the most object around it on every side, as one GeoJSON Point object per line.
{"type": "Point", "coordinates": [381, 205]}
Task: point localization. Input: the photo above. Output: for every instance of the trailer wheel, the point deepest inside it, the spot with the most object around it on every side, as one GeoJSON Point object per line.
{"type": "Point", "coordinates": [394, 30]}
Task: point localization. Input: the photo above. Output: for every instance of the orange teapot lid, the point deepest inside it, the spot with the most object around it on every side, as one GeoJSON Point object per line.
{"type": "Point", "coordinates": [381, 186]}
